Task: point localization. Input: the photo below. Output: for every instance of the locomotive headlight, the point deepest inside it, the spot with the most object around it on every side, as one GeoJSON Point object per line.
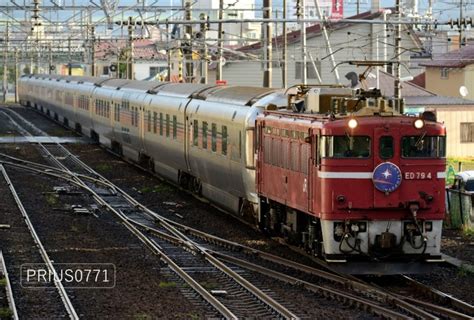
{"type": "Point", "coordinates": [352, 123]}
{"type": "Point", "coordinates": [428, 226]}
{"type": "Point", "coordinates": [419, 123]}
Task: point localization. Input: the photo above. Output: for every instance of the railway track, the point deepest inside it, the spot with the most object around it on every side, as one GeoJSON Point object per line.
{"type": "Point", "coordinates": [158, 232]}
{"type": "Point", "coordinates": [8, 288]}
{"type": "Point", "coordinates": [48, 262]}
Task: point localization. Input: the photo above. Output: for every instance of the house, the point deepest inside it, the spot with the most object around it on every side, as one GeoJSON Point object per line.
{"type": "Point", "coordinates": [148, 60]}
{"type": "Point", "coordinates": [349, 42]}
{"type": "Point", "coordinates": [456, 113]}
{"type": "Point", "coordinates": [448, 73]}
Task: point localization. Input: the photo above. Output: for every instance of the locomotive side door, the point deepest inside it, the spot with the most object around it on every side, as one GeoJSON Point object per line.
{"type": "Point", "coordinates": [313, 168]}
{"type": "Point", "coordinates": [386, 160]}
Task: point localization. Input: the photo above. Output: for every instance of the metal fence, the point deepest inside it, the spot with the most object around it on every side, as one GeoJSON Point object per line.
{"type": "Point", "coordinates": [459, 206]}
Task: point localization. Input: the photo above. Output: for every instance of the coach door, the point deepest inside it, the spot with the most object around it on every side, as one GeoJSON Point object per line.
{"type": "Point", "coordinates": [386, 170]}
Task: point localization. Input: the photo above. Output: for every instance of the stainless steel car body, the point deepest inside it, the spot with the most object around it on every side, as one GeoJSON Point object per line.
{"type": "Point", "coordinates": [159, 120]}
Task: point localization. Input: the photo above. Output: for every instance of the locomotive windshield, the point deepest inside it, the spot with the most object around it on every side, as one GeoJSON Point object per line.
{"type": "Point", "coordinates": [345, 146]}
{"type": "Point", "coordinates": [424, 146]}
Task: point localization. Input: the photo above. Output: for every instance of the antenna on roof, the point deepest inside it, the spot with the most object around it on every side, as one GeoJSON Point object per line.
{"type": "Point", "coordinates": [463, 91]}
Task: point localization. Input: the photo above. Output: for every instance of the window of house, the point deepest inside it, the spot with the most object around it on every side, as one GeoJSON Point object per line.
{"type": "Point", "coordinates": [444, 73]}
{"type": "Point", "coordinates": [204, 135]}
{"type": "Point", "coordinates": [467, 132]}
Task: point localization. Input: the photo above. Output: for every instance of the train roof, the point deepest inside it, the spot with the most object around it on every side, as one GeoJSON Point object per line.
{"type": "Point", "coordinates": [244, 96]}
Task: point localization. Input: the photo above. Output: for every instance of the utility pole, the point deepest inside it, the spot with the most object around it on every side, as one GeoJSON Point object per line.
{"type": "Point", "coordinates": [398, 52]}
{"type": "Point", "coordinates": [189, 66]}
{"type": "Point", "coordinates": [284, 66]}
{"type": "Point", "coordinates": [204, 64]}
{"type": "Point", "coordinates": [300, 16]}
{"type": "Point", "coordinates": [461, 34]}
{"type": "Point", "coordinates": [50, 64]}
{"type": "Point", "coordinates": [220, 43]}
{"type": "Point", "coordinates": [130, 71]}
{"type": "Point", "coordinates": [358, 7]}
{"type": "Point", "coordinates": [16, 75]}
{"type": "Point", "coordinates": [92, 44]}
{"type": "Point", "coordinates": [168, 52]}
{"type": "Point", "coordinates": [267, 56]}
{"type": "Point", "coordinates": [385, 39]}
{"type": "Point", "coordinates": [5, 63]}
{"type": "Point", "coordinates": [69, 65]}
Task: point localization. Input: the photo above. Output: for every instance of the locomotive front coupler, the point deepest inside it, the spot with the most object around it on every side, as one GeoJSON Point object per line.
{"type": "Point", "coordinates": [412, 232]}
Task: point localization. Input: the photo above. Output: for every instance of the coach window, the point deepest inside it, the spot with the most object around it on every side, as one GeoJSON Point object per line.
{"type": "Point", "coordinates": [167, 125]}
{"type": "Point", "coordinates": [161, 123]}
{"type": "Point", "coordinates": [155, 120]}
{"type": "Point", "coordinates": [149, 121]}
{"type": "Point", "coordinates": [214, 138]}
{"type": "Point", "coordinates": [386, 147]}
{"type": "Point", "coordinates": [175, 127]}
{"type": "Point", "coordinates": [345, 146]}
{"type": "Point", "coordinates": [195, 133]}
{"type": "Point", "coordinates": [224, 140]}
{"type": "Point", "coordinates": [424, 146]}
{"type": "Point", "coordinates": [204, 135]}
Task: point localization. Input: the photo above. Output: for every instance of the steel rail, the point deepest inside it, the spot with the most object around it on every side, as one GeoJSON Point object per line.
{"type": "Point", "coordinates": [62, 292]}
{"type": "Point", "coordinates": [191, 245]}
{"type": "Point", "coordinates": [379, 310]}
{"type": "Point", "coordinates": [189, 280]}
{"type": "Point", "coordinates": [355, 285]}
{"type": "Point", "coordinates": [162, 220]}
{"type": "Point", "coordinates": [441, 296]}
{"type": "Point", "coordinates": [8, 288]}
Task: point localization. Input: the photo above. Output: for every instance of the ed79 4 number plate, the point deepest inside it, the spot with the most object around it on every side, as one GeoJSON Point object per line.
{"type": "Point", "coordinates": [409, 175]}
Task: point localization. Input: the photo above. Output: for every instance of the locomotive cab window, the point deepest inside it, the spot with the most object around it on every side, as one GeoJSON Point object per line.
{"type": "Point", "coordinates": [345, 146]}
{"type": "Point", "coordinates": [386, 147]}
{"type": "Point", "coordinates": [424, 146]}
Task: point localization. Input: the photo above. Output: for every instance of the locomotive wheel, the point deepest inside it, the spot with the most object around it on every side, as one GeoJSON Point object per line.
{"type": "Point", "coordinates": [196, 186]}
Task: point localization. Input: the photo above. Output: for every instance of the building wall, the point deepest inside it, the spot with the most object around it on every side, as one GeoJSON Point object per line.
{"type": "Point", "coordinates": [452, 118]}
{"type": "Point", "coordinates": [348, 44]}
{"type": "Point", "coordinates": [447, 86]}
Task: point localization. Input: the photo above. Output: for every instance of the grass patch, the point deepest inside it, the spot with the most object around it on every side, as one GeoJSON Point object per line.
{"type": "Point", "coordinates": [208, 285]}
{"type": "Point", "coordinates": [468, 232]}
{"type": "Point", "coordinates": [164, 284]}
{"type": "Point", "coordinates": [3, 282]}
{"type": "Point", "coordinates": [52, 199]}
{"type": "Point", "coordinates": [104, 167]}
{"type": "Point", "coordinates": [466, 270]}
{"type": "Point", "coordinates": [159, 188]}
{"type": "Point", "coordinates": [6, 313]}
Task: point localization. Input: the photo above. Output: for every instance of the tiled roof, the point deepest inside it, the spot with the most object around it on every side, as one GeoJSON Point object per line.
{"type": "Point", "coordinates": [420, 80]}
{"type": "Point", "coordinates": [437, 101]}
{"type": "Point", "coordinates": [387, 85]}
{"type": "Point", "coordinates": [454, 59]}
{"type": "Point", "coordinates": [142, 50]}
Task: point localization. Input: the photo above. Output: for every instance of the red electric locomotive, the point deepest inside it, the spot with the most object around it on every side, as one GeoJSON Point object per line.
{"type": "Point", "coordinates": [355, 182]}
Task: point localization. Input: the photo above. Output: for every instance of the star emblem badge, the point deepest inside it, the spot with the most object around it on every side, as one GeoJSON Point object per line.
{"type": "Point", "coordinates": [386, 173]}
